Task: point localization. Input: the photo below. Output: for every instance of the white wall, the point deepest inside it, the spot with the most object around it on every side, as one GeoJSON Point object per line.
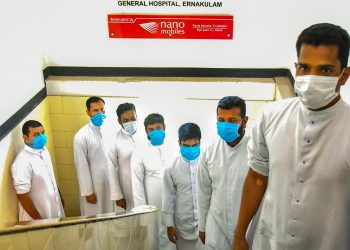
{"type": "Point", "coordinates": [21, 62]}
{"type": "Point", "coordinates": [74, 33]}
{"type": "Point", "coordinates": [21, 47]}
{"type": "Point", "coordinates": [265, 34]}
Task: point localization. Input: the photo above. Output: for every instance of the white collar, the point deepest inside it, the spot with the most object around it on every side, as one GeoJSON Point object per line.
{"type": "Point", "coordinates": [126, 133]}
{"type": "Point", "coordinates": [92, 125]}
{"type": "Point", "coordinates": [150, 145]}
{"type": "Point", "coordinates": [236, 146]}
{"type": "Point", "coordinates": [323, 114]}
{"type": "Point", "coordinates": [33, 150]}
{"type": "Point", "coordinates": [188, 161]}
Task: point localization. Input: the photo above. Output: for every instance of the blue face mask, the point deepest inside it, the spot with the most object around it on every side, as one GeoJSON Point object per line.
{"type": "Point", "coordinates": [98, 119]}
{"type": "Point", "coordinates": [190, 153]}
{"type": "Point", "coordinates": [38, 142]}
{"type": "Point", "coordinates": [228, 131]}
{"type": "Point", "coordinates": [156, 137]}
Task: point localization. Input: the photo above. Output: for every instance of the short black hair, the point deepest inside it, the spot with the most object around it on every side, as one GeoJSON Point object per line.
{"type": "Point", "coordinates": [229, 102]}
{"type": "Point", "coordinates": [326, 34]}
{"type": "Point", "coordinates": [93, 99]}
{"type": "Point", "coordinates": [30, 124]}
{"type": "Point", "coordinates": [123, 108]}
{"type": "Point", "coordinates": [153, 118]}
{"type": "Point", "coordinates": [189, 131]}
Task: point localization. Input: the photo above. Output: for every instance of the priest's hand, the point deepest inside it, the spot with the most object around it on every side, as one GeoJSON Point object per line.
{"type": "Point", "coordinates": [202, 236]}
{"type": "Point", "coordinates": [121, 203]}
{"type": "Point", "coordinates": [91, 199]}
{"type": "Point", "coordinates": [172, 234]}
{"type": "Point", "coordinates": [239, 243]}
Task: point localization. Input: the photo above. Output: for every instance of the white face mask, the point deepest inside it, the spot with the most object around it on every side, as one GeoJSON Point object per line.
{"type": "Point", "coordinates": [130, 127]}
{"type": "Point", "coordinates": [316, 91]}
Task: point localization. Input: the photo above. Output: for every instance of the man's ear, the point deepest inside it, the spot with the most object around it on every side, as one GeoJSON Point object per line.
{"type": "Point", "coordinates": [245, 119]}
{"type": "Point", "coordinates": [25, 138]}
{"type": "Point", "coordinates": [87, 112]}
{"type": "Point", "coordinates": [344, 76]}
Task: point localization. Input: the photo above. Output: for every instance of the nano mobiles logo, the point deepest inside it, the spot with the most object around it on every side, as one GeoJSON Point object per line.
{"type": "Point", "coordinates": [151, 27]}
{"type": "Point", "coordinates": [172, 28]}
{"type": "Point", "coordinates": [165, 28]}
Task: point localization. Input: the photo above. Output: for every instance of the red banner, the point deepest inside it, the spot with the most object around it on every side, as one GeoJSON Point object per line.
{"type": "Point", "coordinates": [170, 26]}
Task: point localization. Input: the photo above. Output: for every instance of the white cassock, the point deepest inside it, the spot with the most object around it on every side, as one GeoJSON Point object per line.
{"type": "Point", "coordinates": [147, 165]}
{"type": "Point", "coordinates": [179, 207]}
{"type": "Point", "coordinates": [32, 173]}
{"type": "Point", "coordinates": [119, 151]}
{"type": "Point", "coordinates": [221, 174]}
{"type": "Point", "coordinates": [306, 156]}
{"type": "Point", "coordinates": [90, 162]}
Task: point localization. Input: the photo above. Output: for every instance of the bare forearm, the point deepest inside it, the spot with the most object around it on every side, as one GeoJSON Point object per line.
{"type": "Point", "coordinates": [253, 192]}
{"type": "Point", "coordinates": [28, 205]}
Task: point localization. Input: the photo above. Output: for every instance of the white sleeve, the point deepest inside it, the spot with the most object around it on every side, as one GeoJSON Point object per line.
{"type": "Point", "coordinates": [138, 177]}
{"type": "Point", "coordinates": [204, 191]}
{"type": "Point", "coordinates": [21, 176]}
{"type": "Point", "coordinates": [82, 166]}
{"type": "Point", "coordinates": [258, 153]}
{"type": "Point", "coordinates": [113, 172]}
{"type": "Point", "coordinates": [168, 199]}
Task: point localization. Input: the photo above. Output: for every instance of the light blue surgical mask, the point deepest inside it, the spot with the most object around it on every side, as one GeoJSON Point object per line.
{"type": "Point", "coordinates": [130, 127]}
{"type": "Point", "coordinates": [156, 137]}
{"type": "Point", "coordinates": [38, 142]}
{"type": "Point", "coordinates": [98, 119]}
{"type": "Point", "coordinates": [228, 131]}
{"type": "Point", "coordinates": [190, 153]}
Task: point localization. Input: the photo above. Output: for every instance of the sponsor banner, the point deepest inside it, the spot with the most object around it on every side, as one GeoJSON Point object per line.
{"type": "Point", "coordinates": [170, 26]}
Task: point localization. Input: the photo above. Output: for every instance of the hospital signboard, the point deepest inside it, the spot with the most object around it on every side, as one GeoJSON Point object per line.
{"type": "Point", "coordinates": [170, 26]}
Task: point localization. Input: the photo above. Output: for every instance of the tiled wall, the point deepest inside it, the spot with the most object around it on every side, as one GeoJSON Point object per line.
{"type": "Point", "coordinates": [67, 117]}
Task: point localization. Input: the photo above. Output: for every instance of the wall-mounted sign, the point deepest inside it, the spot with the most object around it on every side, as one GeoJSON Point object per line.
{"type": "Point", "coordinates": [170, 26]}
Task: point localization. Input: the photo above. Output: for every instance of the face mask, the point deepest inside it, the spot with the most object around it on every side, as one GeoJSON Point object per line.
{"type": "Point", "coordinates": [38, 142]}
{"type": "Point", "coordinates": [130, 127]}
{"type": "Point", "coordinates": [157, 137]}
{"type": "Point", "coordinates": [316, 91]}
{"type": "Point", "coordinates": [98, 119]}
{"type": "Point", "coordinates": [190, 153]}
{"type": "Point", "coordinates": [228, 131]}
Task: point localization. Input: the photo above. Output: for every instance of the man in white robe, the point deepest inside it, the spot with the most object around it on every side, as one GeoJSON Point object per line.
{"type": "Point", "coordinates": [90, 162]}
{"type": "Point", "coordinates": [119, 151]}
{"type": "Point", "coordinates": [34, 178]}
{"type": "Point", "coordinates": [179, 207]}
{"type": "Point", "coordinates": [148, 163]}
{"type": "Point", "coordinates": [222, 169]}
{"type": "Point", "coordinates": [299, 155]}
